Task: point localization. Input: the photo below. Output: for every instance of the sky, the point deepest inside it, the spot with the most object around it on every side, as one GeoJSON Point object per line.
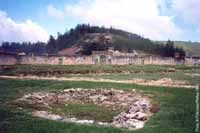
{"type": "Point", "coordinates": [35, 20]}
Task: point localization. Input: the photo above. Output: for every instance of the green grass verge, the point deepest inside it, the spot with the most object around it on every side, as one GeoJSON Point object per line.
{"type": "Point", "coordinates": [12, 70]}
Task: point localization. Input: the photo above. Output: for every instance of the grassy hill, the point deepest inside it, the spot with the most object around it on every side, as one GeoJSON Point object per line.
{"type": "Point", "coordinates": [91, 38]}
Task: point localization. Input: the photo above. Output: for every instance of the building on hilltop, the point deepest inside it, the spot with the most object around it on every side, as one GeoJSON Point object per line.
{"type": "Point", "coordinates": [73, 51]}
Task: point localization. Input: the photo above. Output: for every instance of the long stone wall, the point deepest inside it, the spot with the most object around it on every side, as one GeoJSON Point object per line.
{"type": "Point", "coordinates": [192, 61]}
{"type": "Point", "coordinates": [92, 60]}
{"type": "Point", "coordinates": [88, 60]}
{"type": "Point", "coordinates": [56, 60]}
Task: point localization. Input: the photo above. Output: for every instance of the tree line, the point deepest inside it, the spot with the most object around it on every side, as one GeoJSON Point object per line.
{"type": "Point", "coordinates": [123, 41]}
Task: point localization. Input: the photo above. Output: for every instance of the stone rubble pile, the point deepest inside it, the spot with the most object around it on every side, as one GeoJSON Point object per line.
{"type": "Point", "coordinates": [110, 98]}
{"type": "Point", "coordinates": [136, 108]}
{"type": "Point", "coordinates": [135, 117]}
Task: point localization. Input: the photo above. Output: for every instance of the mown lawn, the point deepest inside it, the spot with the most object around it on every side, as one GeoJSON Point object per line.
{"type": "Point", "coordinates": [176, 114]}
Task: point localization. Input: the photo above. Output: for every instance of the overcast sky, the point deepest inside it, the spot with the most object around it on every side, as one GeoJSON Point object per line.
{"type": "Point", "coordinates": [35, 20]}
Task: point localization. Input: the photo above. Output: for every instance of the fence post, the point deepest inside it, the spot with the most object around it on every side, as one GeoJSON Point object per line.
{"type": "Point", "coordinates": [197, 109]}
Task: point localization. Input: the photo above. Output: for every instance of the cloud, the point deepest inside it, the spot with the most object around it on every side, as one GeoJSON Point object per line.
{"type": "Point", "coordinates": [27, 31]}
{"type": "Point", "coordinates": [137, 16]}
{"type": "Point", "coordinates": [53, 12]}
{"type": "Point", "coordinates": [188, 10]}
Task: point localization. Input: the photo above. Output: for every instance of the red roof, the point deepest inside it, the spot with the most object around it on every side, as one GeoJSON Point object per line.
{"type": "Point", "coordinates": [69, 51]}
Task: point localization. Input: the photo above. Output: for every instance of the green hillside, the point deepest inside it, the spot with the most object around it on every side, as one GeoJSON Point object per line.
{"type": "Point", "coordinates": [94, 38]}
{"type": "Point", "coordinates": [191, 48]}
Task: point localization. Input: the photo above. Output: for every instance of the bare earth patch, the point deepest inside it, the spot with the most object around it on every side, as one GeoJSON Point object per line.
{"type": "Point", "coordinates": [161, 82]}
{"type": "Point", "coordinates": [135, 109]}
{"type": "Point", "coordinates": [193, 74]}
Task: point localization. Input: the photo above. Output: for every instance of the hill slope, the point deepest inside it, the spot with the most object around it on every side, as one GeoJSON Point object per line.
{"type": "Point", "coordinates": [94, 38]}
{"type": "Point", "coordinates": [191, 48]}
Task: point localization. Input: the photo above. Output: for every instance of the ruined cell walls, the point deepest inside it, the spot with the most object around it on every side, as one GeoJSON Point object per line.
{"type": "Point", "coordinates": [56, 60]}
{"type": "Point", "coordinates": [92, 60]}
{"type": "Point", "coordinates": [9, 59]}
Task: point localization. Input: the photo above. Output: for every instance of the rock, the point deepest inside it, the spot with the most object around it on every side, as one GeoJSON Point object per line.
{"type": "Point", "coordinates": [85, 121]}
{"type": "Point", "coordinates": [139, 125]}
{"type": "Point", "coordinates": [73, 119]}
{"type": "Point", "coordinates": [69, 120]}
{"type": "Point", "coordinates": [102, 123]}
{"type": "Point", "coordinates": [130, 116]}
{"type": "Point", "coordinates": [137, 108]}
{"type": "Point", "coordinates": [47, 115]}
{"type": "Point", "coordinates": [27, 96]}
{"type": "Point", "coordinates": [134, 109]}
{"type": "Point", "coordinates": [118, 125]}
{"type": "Point", "coordinates": [54, 117]}
{"type": "Point", "coordinates": [102, 98]}
{"type": "Point", "coordinates": [140, 116]}
{"type": "Point", "coordinates": [42, 114]}
{"type": "Point", "coordinates": [135, 117]}
{"type": "Point", "coordinates": [94, 97]}
{"type": "Point", "coordinates": [66, 90]}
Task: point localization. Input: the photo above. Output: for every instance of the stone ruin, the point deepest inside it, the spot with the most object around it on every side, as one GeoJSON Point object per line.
{"type": "Point", "coordinates": [137, 109]}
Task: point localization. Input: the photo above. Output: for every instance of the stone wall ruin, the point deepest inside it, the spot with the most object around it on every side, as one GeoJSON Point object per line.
{"type": "Point", "coordinates": [87, 60]}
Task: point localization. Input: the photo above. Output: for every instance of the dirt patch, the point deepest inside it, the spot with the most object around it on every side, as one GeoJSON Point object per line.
{"type": "Point", "coordinates": [135, 108]}
{"type": "Point", "coordinates": [167, 82]}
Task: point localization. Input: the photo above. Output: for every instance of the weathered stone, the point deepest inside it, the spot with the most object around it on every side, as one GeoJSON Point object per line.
{"type": "Point", "coordinates": [45, 114]}
{"type": "Point", "coordinates": [85, 121]}
{"type": "Point", "coordinates": [137, 108]}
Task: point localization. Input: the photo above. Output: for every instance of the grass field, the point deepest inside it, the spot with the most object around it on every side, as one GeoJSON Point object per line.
{"type": "Point", "coordinates": [127, 72]}
{"type": "Point", "coordinates": [11, 70]}
{"type": "Point", "coordinates": [176, 113]}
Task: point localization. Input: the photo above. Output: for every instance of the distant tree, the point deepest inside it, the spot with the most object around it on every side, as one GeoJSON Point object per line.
{"type": "Point", "coordinates": [169, 49]}
{"type": "Point", "coordinates": [51, 45]}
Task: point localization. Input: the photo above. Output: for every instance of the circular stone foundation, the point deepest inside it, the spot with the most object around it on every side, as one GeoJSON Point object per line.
{"type": "Point", "coordinates": [134, 109]}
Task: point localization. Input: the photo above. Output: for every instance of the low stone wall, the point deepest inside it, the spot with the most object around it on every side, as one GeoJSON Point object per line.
{"type": "Point", "coordinates": [191, 61]}
{"type": "Point", "coordinates": [8, 60]}
{"type": "Point", "coordinates": [87, 60]}
{"type": "Point", "coordinates": [161, 61]}
{"type": "Point", "coordinates": [144, 61]}
{"type": "Point", "coordinates": [91, 60]}
{"type": "Point", "coordinates": [38, 60]}
{"type": "Point", "coordinates": [83, 60]}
